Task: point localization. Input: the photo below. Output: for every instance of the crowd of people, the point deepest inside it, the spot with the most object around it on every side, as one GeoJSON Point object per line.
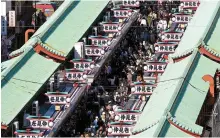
{"type": "Point", "coordinates": [111, 90]}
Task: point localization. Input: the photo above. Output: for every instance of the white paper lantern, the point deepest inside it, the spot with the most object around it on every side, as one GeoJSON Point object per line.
{"type": "Point", "coordinates": [109, 43]}
{"type": "Point", "coordinates": [173, 19]}
{"type": "Point", "coordinates": [163, 37]}
{"type": "Point", "coordinates": [92, 66]}
{"type": "Point", "coordinates": [102, 52]}
{"type": "Point", "coordinates": [145, 68]}
{"type": "Point", "coordinates": [109, 130]}
{"type": "Point", "coordinates": [67, 106]}
{"type": "Point", "coordinates": [68, 100]}
{"type": "Point", "coordinates": [129, 13]}
{"type": "Point", "coordinates": [119, 28]}
{"type": "Point", "coordinates": [156, 48]}
{"type": "Point", "coordinates": [181, 4]}
{"type": "Point", "coordinates": [137, 3]}
{"type": "Point", "coordinates": [84, 76]}
{"type": "Point", "coordinates": [133, 89]}
{"type": "Point", "coordinates": [117, 118]}
{"type": "Point", "coordinates": [50, 124]}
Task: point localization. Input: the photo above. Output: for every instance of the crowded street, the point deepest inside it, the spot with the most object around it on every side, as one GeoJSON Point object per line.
{"type": "Point", "coordinates": [112, 90]}
{"type": "Point", "coordinates": [128, 68]}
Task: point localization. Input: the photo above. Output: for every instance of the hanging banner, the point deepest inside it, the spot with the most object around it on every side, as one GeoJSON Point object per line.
{"type": "Point", "coordinates": [29, 134]}
{"type": "Point", "coordinates": [142, 88]}
{"type": "Point", "coordinates": [122, 13]}
{"type": "Point", "coordinates": [165, 47]}
{"type": "Point", "coordinates": [40, 122]}
{"type": "Point", "coordinates": [75, 75]}
{"type": "Point", "coordinates": [120, 129]}
{"type": "Point", "coordinates": [155, 67]}
{"type": "Point", "coordinates": [82, 64]}
{"type": "Point", "coordinates": [171, 36]}
{"type": "Point", "coordinates": [94, 51]}
{"type": "Point", "coordinates": [131, 3]}
{"type": "Point", "coordinates": [11, 19]}
{"type": "Point", "coordinates": [58, 98]}
{"type": "Point", "coordinates": [100, 40]}
{"type": "Point", "coordinates": [3, 25]}
{"type": "Point", "coordinates": [182, 18]}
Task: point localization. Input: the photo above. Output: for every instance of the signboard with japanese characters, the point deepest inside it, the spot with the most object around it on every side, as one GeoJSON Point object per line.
{"type": "Point", "coordinates": [40, 122]}
{"type": "Point", "coordinates": [172, 36]}
{"type": "Point", "coordinates": [142, 88]}
{"type": "Point", "coordinates": [58, 98]}
{"type": "Point", "coordinates": [11, 19]}
{"type": "Point", "coordinates": [127, 115]}
{"type": "Point", "coordinates": [29, 134]}
{"type": "Point", "coordinates": [82, 64]}
{"type": "Point", "coordinates": [155, 67]}
{"type": "Point", "coordinates": [94, 51]}
{"type": "Point", "coordinates": [100, 40]}
{"type": "Point", "coordinates": [75, 75]}
{"type": "Point", "coordinates": [111, 27]}
{"type": "Point", "coordinates": [120, 129]}
{"type": "Point", "coordinates": [3, 25]}
{"type": "Point", "coordinates": [131, 3]}
{"type": "Point", "coordinates": [190, 4]}
{"type": "Point", "coordinates": [165, 47]}
{"type": "Point", "coordinates": [182, 18]}
{"type": "Point", "coordinates": [122, 13]}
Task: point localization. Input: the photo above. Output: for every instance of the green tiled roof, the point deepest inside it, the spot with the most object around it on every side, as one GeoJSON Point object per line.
{"type": "Point", "coordinates": [173, 89]}
{"type": "Point", "coordinates": [68, 29]}
{"type": "Point", "coordinates": [199, 26]}
{"type": "Point", "coordinates": [156, 107]}
{"type": "Point", "coordinates": [172, 131]}
{"type": "Point", "coordinates": [22, 82]}
{"type": "Point", "coordinates": [212, 38]}
{"type": "Point", "coordinates": [25, 76]}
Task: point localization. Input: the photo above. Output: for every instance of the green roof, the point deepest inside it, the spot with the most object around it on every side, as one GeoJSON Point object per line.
{"type": "Point", "coordinates": [68, 29]}
{"type": "Point", "coordinates": [185, 107]}
{"type": "Point", "coordinates": [173, 88]}
{"type": "Point", "coordinates": [25, 75]}
{"type": "Point", "coordinates": [199, 26]}
{"type": "Point", "coordinates": [22, 82]}
{"type": "Point", "coordinates": [168, 84]}
{"type": "Point", "coordinates": [212, 38]}
{"type": "Point", "coordinates": [172, 131]}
